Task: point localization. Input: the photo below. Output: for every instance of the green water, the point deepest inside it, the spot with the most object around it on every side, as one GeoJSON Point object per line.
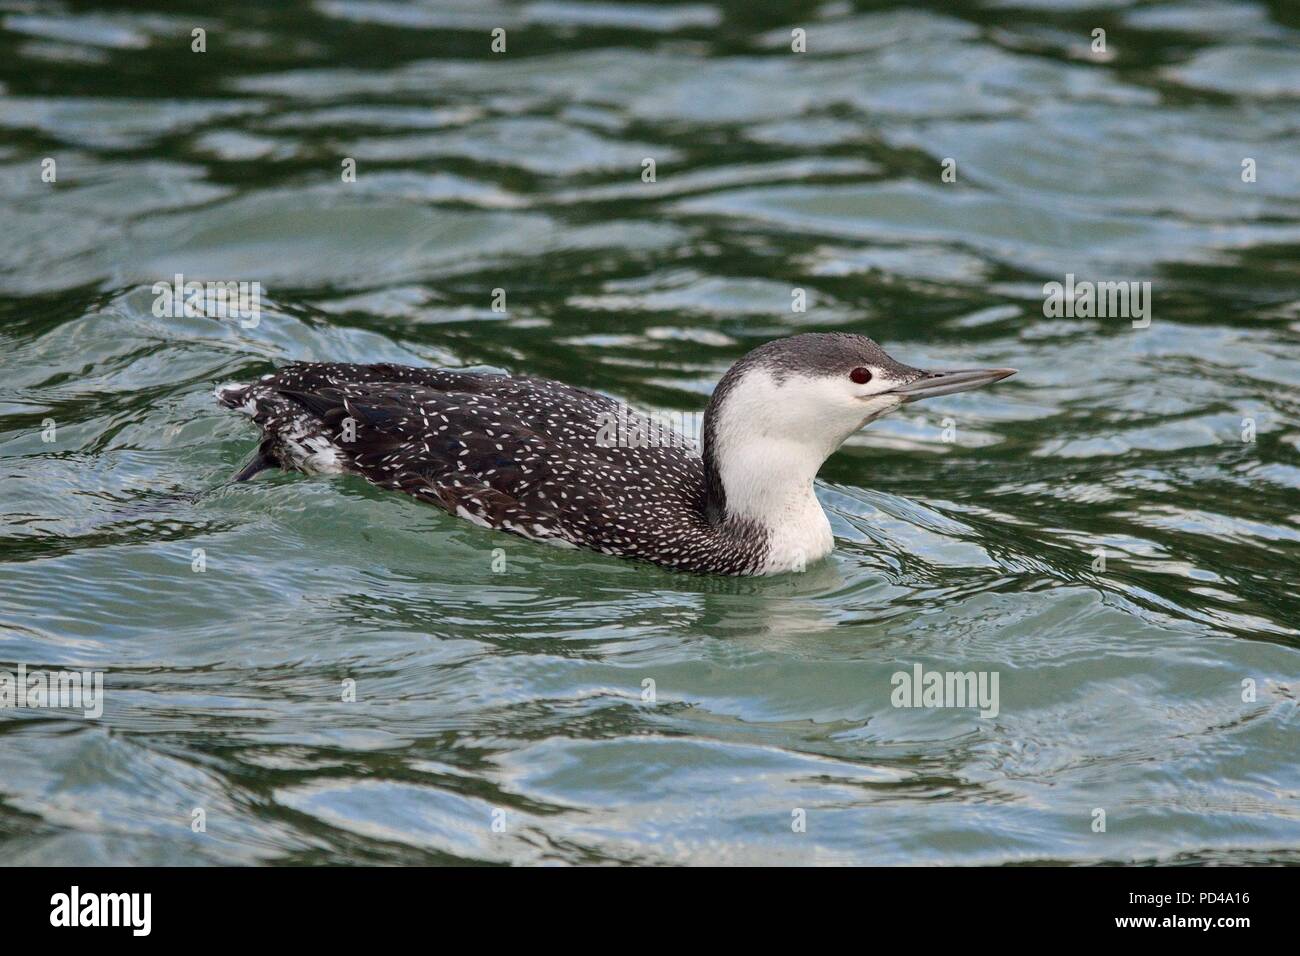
{"type": "Point", "coordinates": [497, 680]}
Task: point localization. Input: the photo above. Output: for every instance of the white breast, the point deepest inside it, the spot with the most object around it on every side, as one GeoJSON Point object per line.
{"type": "Point", "coordinates": [802, 538]}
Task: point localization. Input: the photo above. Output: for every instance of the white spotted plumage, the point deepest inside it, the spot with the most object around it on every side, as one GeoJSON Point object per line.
{"type": "Point", "coordinates": [525, 455]}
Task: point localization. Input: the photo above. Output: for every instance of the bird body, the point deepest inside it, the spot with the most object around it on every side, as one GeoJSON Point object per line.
{"type": "Point", "coordinates": [532, 457]}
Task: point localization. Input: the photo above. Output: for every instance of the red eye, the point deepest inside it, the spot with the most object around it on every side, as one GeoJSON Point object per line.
{"type": "Point", "coordinates": [861, 375]}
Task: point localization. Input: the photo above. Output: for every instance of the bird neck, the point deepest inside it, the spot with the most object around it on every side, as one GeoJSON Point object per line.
{"type": "Point", "coordinates": [757, 478]}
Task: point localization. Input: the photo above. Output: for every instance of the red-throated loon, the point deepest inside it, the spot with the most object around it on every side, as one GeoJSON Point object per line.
{"type": "Point", "coordinates": [525, 455]}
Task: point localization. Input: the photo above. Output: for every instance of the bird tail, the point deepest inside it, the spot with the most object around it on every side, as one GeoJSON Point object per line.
{"type": "Point", "coordinates": [236, 395]}
{"type": "Point", "coordinates": [294, 435]}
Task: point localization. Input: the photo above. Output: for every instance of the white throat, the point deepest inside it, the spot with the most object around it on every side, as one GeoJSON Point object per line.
{"type": "Point", "coordinates": [771, 485]}
{"type": "Point", "coordinates": [767, 468]}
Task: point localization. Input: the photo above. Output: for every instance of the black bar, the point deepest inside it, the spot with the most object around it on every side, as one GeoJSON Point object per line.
{"type": "Point", "coordinates": [375, 906]}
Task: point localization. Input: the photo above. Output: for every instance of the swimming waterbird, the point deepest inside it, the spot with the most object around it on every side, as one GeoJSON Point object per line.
{"type": "Point", "coordinates": [533, 456]}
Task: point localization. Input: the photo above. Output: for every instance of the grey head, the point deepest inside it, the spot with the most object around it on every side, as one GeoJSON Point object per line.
{"type": "Point", "coordinates": [780, 411]}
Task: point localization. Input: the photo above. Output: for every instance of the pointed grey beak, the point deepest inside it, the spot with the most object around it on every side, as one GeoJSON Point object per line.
{"type": "Point", "coordinates": [931, 384]}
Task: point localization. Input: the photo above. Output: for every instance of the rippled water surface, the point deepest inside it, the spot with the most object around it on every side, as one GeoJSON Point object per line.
{"type": "Point", "coordinates": [515, 692]}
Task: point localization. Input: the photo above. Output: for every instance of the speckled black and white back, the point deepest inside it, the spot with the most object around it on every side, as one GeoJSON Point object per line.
{"type": "Point", "coordinates": [517, 454]}
{"type": "Point", "coordinates": [533, 457]}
